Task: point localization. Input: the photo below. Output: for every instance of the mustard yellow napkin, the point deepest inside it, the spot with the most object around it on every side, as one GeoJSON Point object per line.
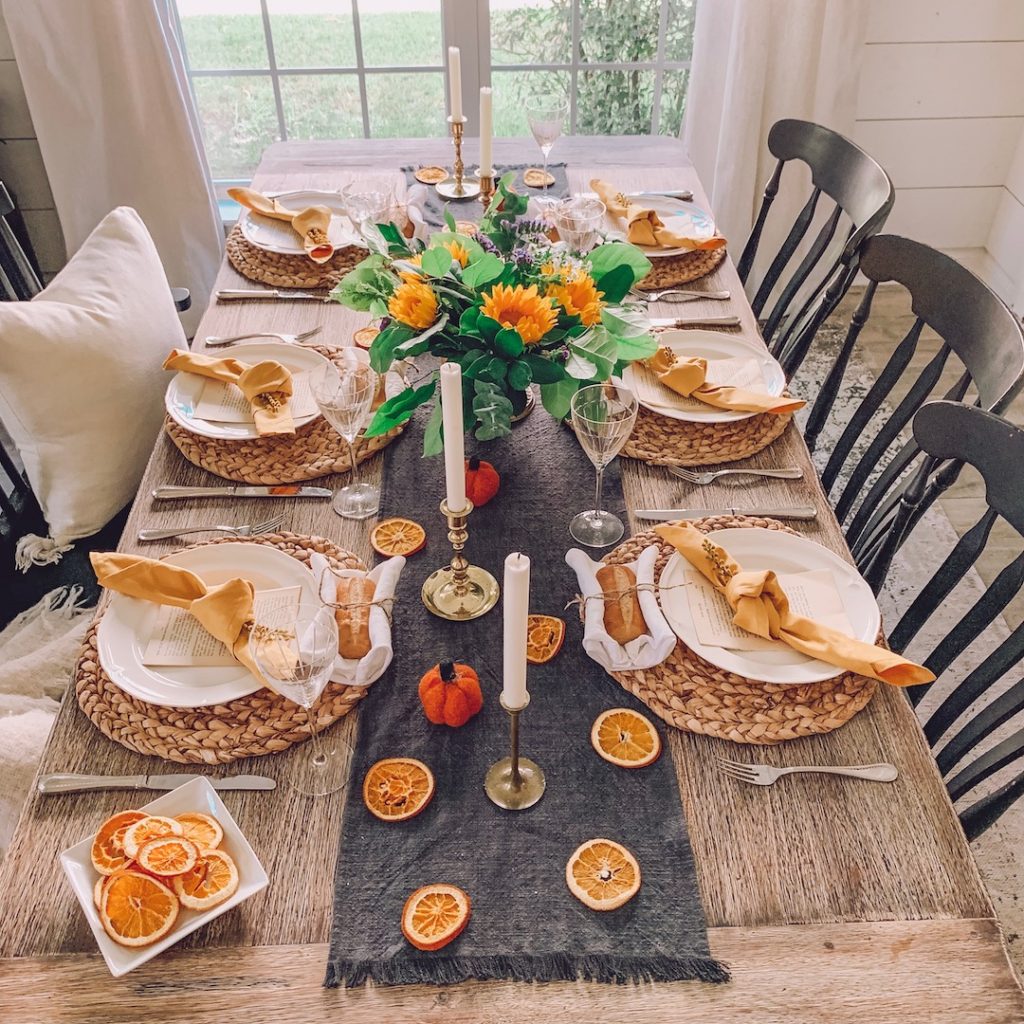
{"type": "Point", "coordinates": [761, 607]}
{"type": "Point", "coordinates": [310, 224]}
{"type": "Point", "coordinates": [644, 226]}
{"type": "Point", "coordinates": [687, 376]}
{"type": "Point", "coordinates": [267, 386]}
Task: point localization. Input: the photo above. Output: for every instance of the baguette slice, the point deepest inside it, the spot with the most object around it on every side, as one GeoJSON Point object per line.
{"type": "Point", "coordinates": [354, 623]}
{"type": "Point", "coordinates": [623, 617]}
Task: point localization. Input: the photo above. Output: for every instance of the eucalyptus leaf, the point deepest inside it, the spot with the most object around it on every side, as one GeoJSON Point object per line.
{"type": "Point", "coordinates": [495, 371]}
{"type": "Point", "coordinates": [493, 411]}
{"type": "Point", "coordinates": [520, 376]}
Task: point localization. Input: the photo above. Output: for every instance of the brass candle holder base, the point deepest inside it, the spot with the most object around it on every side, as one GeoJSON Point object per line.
{"type": "Point", "coordinates": [487, 186]}
{"type": "Point", "coordinates": [514, 783]}
{"type": "Point", "coordinates": [459, 591]}
{"type": "Point", "coordinates": [458, 187]}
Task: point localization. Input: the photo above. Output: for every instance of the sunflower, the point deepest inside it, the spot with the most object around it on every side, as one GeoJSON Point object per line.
{"type": "Point", "coordinates": [522, 309]}
{"type": "Point", "coordinates": [409, 276]}
{"type": "Point", "coordinates": [414, 304]}
{"type": "Point", "coordinates": [458, 250]}
{"type": "Point", "coordinates": [577, 294]}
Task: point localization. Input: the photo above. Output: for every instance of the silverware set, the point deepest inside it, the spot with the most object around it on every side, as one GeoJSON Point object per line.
{"type": "Point", "coordinates": [766, 775]}
{"type": "Point", "coordinates": [288, 339]}
{"type": "Point", "coordinates": [264, 526]}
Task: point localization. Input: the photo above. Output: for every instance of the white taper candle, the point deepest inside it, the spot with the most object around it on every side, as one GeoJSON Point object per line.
{"type": "Point", "coordinates": [455, 80]}
{"type": "Point", "coordinates": [454, 439]}
{"type": "Point", "coordinates": [486, 108]}
{"type": "Point", "coordinates": [516, 595]}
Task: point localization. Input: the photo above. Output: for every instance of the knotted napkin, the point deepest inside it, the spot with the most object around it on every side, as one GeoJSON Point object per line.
{"type": "Point", "coordinates": [687, 376]}
{"type": "Point", "coordinates": [310, 224]}
{"type": "Point", "coordinates": [645, 227]}
{"type": "Point", "coordinates": [267, 386]}
{"type": "Point", "coordinates": [761, 607]}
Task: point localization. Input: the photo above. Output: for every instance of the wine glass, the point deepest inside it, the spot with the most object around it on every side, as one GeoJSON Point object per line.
{"type": "Point", "coordinates": [546, 114]}
{"type": "Point", "coordinates": [344, 395]}
{"type": "Point", "coordinates": [579, 219]}
{"type": "Point", "coordinates": [602, 416]}
{"type": "Point", "coordinates": [365, 208]}
{"type": "Point", "coordinates": [294, 650]}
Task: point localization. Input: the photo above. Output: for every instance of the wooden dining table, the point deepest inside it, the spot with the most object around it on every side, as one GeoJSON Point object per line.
{"type": "Point", "coordinates": [830, 899]}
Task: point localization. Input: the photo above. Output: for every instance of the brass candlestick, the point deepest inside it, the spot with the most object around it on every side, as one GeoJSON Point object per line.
{"type": "Point", "coordinates": [458, 188]}
{"type": "Point", "coordinates": [459, 591]}
{"type": "Point", "coordinates": [486, 180]}
{"type": "Point", "coordinates": [514, 783]}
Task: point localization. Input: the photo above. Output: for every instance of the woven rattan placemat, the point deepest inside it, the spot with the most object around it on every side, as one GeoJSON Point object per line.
{"type": "Point", "coordinates": [262, 723]}
{"type": "Point", "coordinates": [669, 271]}
{"type": "Point", "coordinates": [289, 271]}
{"type": "Point", "coordinates": [692, 694]}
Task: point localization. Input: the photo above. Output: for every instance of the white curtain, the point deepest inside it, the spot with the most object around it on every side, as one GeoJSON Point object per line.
{"type": "Point", "coordinates": [109, 98]}
{"type": "Point", "coordinates": [754, 62]}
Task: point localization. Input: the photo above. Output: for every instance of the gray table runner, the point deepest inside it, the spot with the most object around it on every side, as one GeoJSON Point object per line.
{"type": "Point", "coordinates": [525, 923]}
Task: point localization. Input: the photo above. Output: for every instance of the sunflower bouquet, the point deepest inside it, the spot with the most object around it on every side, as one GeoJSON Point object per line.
{"type": "Point", "coordinates": [509, 305]}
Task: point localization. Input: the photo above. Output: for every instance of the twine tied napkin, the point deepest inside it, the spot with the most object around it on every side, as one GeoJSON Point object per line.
{"type": "Point", "coordinates": [310, 224]}
{"type": "Point", "coordinates": [762, 608]}
{"type": "Point", "coordinates": [645, 227]}
{"type": "Point", "coordinates": [687, 376]}
{"type": "Point", "coordinates": [267, 386]}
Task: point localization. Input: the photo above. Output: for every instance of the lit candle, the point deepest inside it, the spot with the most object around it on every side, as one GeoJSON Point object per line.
{"type": "Point", "coordinates": [486, 101]}
{"type": "Point", "coordinates": [454, 441]}
{"type": "Point", "coordinates": [516, 595]}
{"type": "Point", "coordinates": [455, 81]}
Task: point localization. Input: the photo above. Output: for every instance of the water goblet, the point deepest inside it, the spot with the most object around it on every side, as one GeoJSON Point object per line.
{"type": "Point", "coordinates": [578, 220]}
{"type": "Point", "coordinates": [546, 114]}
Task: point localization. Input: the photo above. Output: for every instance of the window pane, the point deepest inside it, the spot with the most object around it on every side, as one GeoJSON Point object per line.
{"type": "Point", "coordinates": [321, 106]}
{"type": "Point", "coordinates": [401, 33]}
{"type": "Point", "coordinates": [679, 33]}
{"type": "Point", "coordinates": [313, 33]}
{"type": "Point", "coordinates": [531, 31]}
{"type": "Point", "coordinates": [410, 105]}
{"type": "Point", "coordinates": [624, 31]}
{"type": "Point", "coordinates": [223, 33]}
{"type": "Point", "coordinates": [614, 102]}
{"type": "Point", "coordinates": [239, 121]}
{"type": "Point", "coordinates": [673, 102]}
{"type": "Point", "coordinates": [512, 91]}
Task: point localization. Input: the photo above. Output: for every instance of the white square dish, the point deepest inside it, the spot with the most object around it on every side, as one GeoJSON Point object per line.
{"type": "Point", "coordinates": [197, 795]}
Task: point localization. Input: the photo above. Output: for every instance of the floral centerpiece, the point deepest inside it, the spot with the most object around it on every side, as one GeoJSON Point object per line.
{"type": "Point", "coordinates": [509, 305]}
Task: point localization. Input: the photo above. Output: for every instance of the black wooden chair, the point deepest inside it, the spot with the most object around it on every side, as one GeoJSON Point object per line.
{"type": "Point", "coordinates": [18, 277]}
{"type": "Point", "coordinates": [952, 431]}
{"type": "Point", "coordinates": [981, 337]}
{"type": "Point", "coordinates": [858, 187]}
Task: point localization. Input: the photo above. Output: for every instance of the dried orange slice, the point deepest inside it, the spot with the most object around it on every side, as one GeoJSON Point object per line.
{"type": "Point", "coordinates": [625, 738]}
{"type": "Point", "coordinates": [152, 826]}
{"type": "Point", "coordinates": [365, 335]}
{"type": "Point", "coordinates": [398, 536]}
{"type": "Point", "coordinates": [602, 874]}
{"type": "Point", "coordinates": [211, 880]}
{"type": "Point", "coordinates": [97, 891]}
{"type": "Point", "coordinates": [107, 852]}
{"type": "Point", "coordinates": [434, 915]}
{"type": "Point", "coordinates": [167, 855]}
{"type": "Point", "coordinates": [544, 637]}
{"type": "Point", "coordinates": [137, 909]}
{"type": "Point", "coordinates": [397, 788]}
{"type": "Point", "coordinates": [430, 175]}
{"type": "Point", "coordinates": [202, 829]}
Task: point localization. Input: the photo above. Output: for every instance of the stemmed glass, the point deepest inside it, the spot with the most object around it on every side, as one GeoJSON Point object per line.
{"type": "Point", "coordinates": [364, 208]}
{"type": "Point", "coordinates": [602, 416]}
{"type": "Point", "coordinates": [546, 114]}
{"type": "Point", "coordinates": [294, 650]}
{"type": "Point", "coordinates": [579, 220]}
{"type": "Point", "coordinates": [344, 395]}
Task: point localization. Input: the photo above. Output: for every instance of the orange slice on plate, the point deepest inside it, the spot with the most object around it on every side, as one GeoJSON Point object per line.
{"type": "Point", "coordinates": [107, 852]}
{"type": "Point", "coordinates": [202, 829]}
{"type": "Point", "coordinates": [398, 536]}
{"type": "Point", "coordinates": [625, 738]}
{"type": "Point", "coordinates": [430, 175]}
{"type": "Point", "coordinates": [602, 874]}
{"type": "Point", "coordinates": [365, 335]}
{"type": "Point", "coordinates": [152, 826]}
{"type": "Point", "coordinates": [434, 915]}
{"type": "Point", "coordinates": [137, 909]}
{"type": "Point", "coordinates": [397, 788]}
{"type": "Point", "coordinates": [168, 855]}
{"type": "Point", "coordinates": [544, 637]}
{"type": "Point", "coordinates": [211, 880]}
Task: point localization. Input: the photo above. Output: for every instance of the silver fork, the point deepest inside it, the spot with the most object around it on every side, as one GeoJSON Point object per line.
{"type": "Point", "coordinates": [669, 295]}
{"type": "Point", "coordinates": [266, 526]}
{"type": "Point", "coordinates": [790, 473]}
{"type": "Point", "coordinates": [288, 339]}
{"type": "Point", "coordinates": [766, 775]}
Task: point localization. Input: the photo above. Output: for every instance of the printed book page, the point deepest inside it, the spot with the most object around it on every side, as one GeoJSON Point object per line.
{"type": "Point", "coordinates": [225, 403]}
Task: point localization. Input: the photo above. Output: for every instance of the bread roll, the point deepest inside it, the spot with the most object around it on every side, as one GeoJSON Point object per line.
{"type": "Point", "coordinates": [354, 623]}
{"type": "Point", "coordinates": [623, 617]}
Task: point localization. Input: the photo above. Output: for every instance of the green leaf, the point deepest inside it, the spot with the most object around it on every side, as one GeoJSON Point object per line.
{"type": "Point", "coordinates": [641, 346]}
{"type": "Point", "coordinates": [433, 443]}
{"type": "Point", "coordinates": [398, 409]}
{"type": "Point", "coordinates": [482, 271]}
{"type": "Point", "coordinates": [366, 287]}
{"type": "Point", "coordinates": [474, 249]}
{"type": "Point", "coordinates": [477, 366]}
{"type": "Point", "coordinates": [420, 342]}
{"type": "Point", "coordinates": [487, 327]}
{"type": "Point", "coordinates": [508, 342]}
{"type": "Point", "coordinates": [557, 397]}
{"type": "Point", "coordinates": [437, 261]}
{"type": "Point", "coordinates": [607, 257]}
{"type": "Point", "coordinates": [598, 348]}
{"type": "Point", "coordinates": [493, 411]}
{"type": "Point", "coordinates": [495, 371]}
{"type": "Point", "coordinates": [616, 283]}
{"type": "Point", "coordinates": [520, 376]}
{"type": "Point", "coordinates": [544, 370]}
{"type": "Point", "coordinates": [395, 239]}
{"type": "Point", "coordinates": [468, 321]}
{"type": "Point", "coordinates": [449, 219]}
{"type": "Point", "coordinates": [382, 350]}
{"type": "Point", "coordinates": [625, 322]}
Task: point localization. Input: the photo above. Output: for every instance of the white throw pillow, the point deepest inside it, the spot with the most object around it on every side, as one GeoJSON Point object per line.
{"type": "Point", "coordinates": [81, 385]}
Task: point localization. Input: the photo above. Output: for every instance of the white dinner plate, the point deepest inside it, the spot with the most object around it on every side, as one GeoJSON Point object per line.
{"type": "Point", "coordinates": [277, 235]}
{"type": "Point", "coordinates": [712, 345]}
{"type": "Point", "coordinates": [683, 218]}
{"type": "Point", "coordinates": [757, 549]}
{"type": "Point", "coordinates": [185, 388]}
{"type": "Point", "coordinates": [197, 795]}
{"type": "Point", "coordinates": [128, 622]}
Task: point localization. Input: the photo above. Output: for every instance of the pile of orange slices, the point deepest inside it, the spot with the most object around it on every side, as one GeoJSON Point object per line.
{"type": "Point", "coordinates": [150, 866]}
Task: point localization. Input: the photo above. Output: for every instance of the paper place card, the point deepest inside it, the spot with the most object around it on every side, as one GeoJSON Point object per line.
{"type": "Point", "coordinates": [178, 640]}
{"type": "Point", "coordinates": [738, 372]}
{"type": "Point", "coordinates": [812, 594]}
{"type": "Point", "coordinates": [225, 403]}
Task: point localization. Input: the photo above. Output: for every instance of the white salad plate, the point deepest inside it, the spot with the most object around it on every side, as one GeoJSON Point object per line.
{"type": "Point", "coordinates": [277, 236]}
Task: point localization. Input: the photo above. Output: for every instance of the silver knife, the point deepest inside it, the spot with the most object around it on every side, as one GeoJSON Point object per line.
{"type": "Point", "coordinates": [683, 194]}
{"type": "Point", "coordinates": [58, 782]}
{"type": "Point", "coordinates": [229, 294]}
{"type": "Point", "coordinates": [666, 514]}
{"type": "Point", "coordinates": [711, 321]}
{"type": "Point", "coordinates": [279, 491]}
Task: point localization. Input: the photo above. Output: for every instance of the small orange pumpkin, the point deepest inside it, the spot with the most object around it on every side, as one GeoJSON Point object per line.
{"type": "Point", "coordinates": [450, 694]}
{"type": "Point", "coordinates": [482, 481]}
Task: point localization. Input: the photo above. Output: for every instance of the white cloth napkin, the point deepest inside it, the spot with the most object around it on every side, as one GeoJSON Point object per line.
{"type": "Point", "coordinates": [370, 667]}
{"type": "Point", "coordinates": [416, 202]}
{"type": "Point", "coordinates": [645, 651]}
